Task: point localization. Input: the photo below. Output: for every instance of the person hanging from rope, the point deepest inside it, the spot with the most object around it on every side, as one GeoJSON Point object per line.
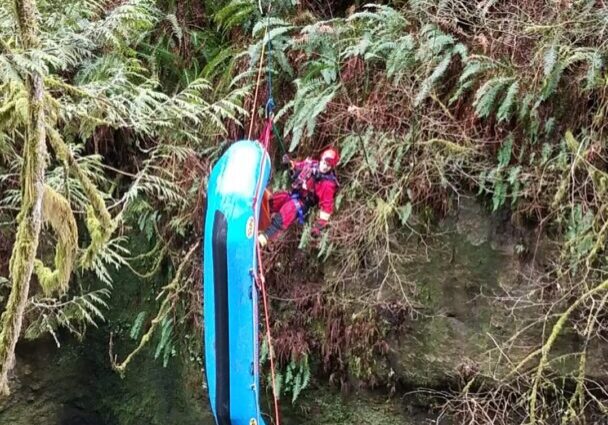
{"type": "Point", "coordinates": [313, 182]}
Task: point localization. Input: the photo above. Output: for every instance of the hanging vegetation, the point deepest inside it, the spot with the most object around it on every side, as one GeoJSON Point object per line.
{"type": "Point", "coordinates": [428, 101]}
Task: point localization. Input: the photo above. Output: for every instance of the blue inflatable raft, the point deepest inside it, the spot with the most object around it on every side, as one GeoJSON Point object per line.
{"type": "Point", "coordinates": [230, 294]}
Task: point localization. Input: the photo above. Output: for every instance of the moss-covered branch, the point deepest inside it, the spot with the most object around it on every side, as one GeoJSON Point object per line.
{"type": "Point", "coordinates": [99, 222]}
{"type": "Point", "coordinates": [546, 349]}
{"type": "Point", "coordinates": [32, 190]}
{"type": "Point", "coordinates": [170, 293]}
{"type": "Point", "coordinates": [58, 214]}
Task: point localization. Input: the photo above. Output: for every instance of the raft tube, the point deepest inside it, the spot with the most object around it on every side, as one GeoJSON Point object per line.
{"type": "Point", "coordinates": [230, 294]}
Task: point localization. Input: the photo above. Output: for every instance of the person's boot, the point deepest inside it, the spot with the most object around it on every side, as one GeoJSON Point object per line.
{"type": "Point", "coordinates": [262, 239]}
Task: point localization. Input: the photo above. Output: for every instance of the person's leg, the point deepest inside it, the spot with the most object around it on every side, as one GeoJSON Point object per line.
{"type": "Point", "coordinates": [280, 222]}
{"type": "Point", "coordinates": [279, 199]}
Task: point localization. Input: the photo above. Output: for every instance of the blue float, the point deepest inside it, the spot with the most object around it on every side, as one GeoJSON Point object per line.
{"type": "Point", "coordinates": [230, 294]}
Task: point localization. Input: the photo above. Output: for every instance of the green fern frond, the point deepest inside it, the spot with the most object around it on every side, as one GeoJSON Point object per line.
{"type": "Point", "coordinates": [111, 254]}
{"type": "Point", "coordinates": [400, 57]}
{"type": "Point", "coordinates": [165, 336]}
{"type": "Point", "coordinates": [432, 79]}
{"type": "Point", "coordinates": [359, 49]}
{"type": "Point", "coordinates": [312, 97]}
{"type": "Point", "coordinates": [504, 153]}
{"type": "Point", "coordinates": [123, 23]}
{"type": "Point", "coordinates": [550, 60]}
{"type": "Point", "coordinates": [434, 41]}
{"type": "Point", "coordinates": [289, 375]}
{"type": "Point", "coordinates": [306, 237]}
{"type": "Point", "coordinates": [269, 24]}
{"type": "Point", "coordinates": [278, 384]}
{"type": "Point", "coordinates": [349, 146]}
{"type": "Point", "coordinates": [137, 325]}
{"type": "Point", "coordinates": [175, 27]}
{"type": "Point", "coordinates": [525, 107]}
{"type": "Point", "coordinates": [235, 13]}
{"type": "Point", "coordinates": [73, 314]}
{"type": "Point", "coordinates": [505, 109]}
{"type": "Point", "coordinates": [596, 64]}
{"type": "Point", "coordinates": [487, 94]}
{"type": "Point", "coordinates": [474, 69]}
{"type": "Point", "coordinates": [551, 82]}
{"type": "Point", "coordinates": [460, 50]}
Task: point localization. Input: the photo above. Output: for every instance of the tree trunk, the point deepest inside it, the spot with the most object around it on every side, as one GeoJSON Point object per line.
{"type": "Point", "coordinates": [32, 189]}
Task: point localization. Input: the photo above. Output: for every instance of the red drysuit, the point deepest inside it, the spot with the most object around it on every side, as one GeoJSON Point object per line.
{"type": "Point", "coordinates": [310, 187]}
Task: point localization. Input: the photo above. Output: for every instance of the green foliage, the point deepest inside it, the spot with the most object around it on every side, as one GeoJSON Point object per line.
{"type": "Point", "coordinates": [292, 379]}
{"type": "Point", "coordinates": [380, 40]}
{"type": "Point", "coordinates": [550, 60]}
{"type": "Point", "coordinates": [349, 147]}
{"type": "Point", "coordinates": [74, 314]}
{"type": "Point", "coordinates": [137, 325]}
{"type": "Point", "coordinates": [487, 97]}
{"type": "Point", "coordinates": [580, 235]}
{"type": "Point", "coordinates": [404, 213]}
{"type": "Point", "coordinates": [97, 82]}
{"type": "Point", "coordinates": [506, 108]}
{"type": "Point", "coordinates": [161, 89]}
{"type": "Point", "coordinates": [297, 377]}
{"type": "Point", "coordinates": [274, 32]}
{"type": "Point", "coordinates": [466, 82]}
{"type": "Point", "coordinates": [311, 99]}
{"type": "Point", "coordinates": [400, 58]}
{"type": "Point", "coordinates": [235, 13]}
{"type": "Point", "coordinates": [306, 236]}
{"type": "Point", "coordinates": [436, 48]}
{"type": "Point", "coordinates": [165, 345]}
{"type": "Point", "coordinates": [504, 153]}
{"type": "Point", "coordinates": [504, 181]}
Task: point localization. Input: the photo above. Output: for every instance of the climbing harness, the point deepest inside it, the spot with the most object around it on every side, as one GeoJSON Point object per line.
{"type": "Point", "coordinates": [300, 207]}
{"type": "Point", "coordinates": [301, 177]}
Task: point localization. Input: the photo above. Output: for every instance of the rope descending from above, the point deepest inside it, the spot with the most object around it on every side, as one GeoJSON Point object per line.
{"type": "Point", "coordinates": [264, 139]}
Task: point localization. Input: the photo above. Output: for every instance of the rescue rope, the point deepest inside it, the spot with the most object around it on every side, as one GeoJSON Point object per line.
{"type": "Point", "coordinates": [265, 141]}
{"type": "Point", "coordinates": [261, 279]}
{"type": "Point", "coordinates": [257, 86]}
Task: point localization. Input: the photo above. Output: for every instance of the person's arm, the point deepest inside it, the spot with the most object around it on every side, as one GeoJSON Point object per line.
{"type": "Point", "coordinates": [326, 194]}
{"type": "Point", "coordinates": [292, 163]}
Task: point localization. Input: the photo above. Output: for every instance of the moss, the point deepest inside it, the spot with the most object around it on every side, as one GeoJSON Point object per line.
{"type": "Point", "coordinates": [548, 345]}
{"type": "Point", "coordinates": [58, 213]}
{"type": "Point", "coordinates": [30, 216]}
{"type": "Point", "coordinates": [81, 386]}
{"type": "Point", "coordinates": [99, 222]}
{"type": "Point", "coordinates": [326, 407]}
{"type": "Point", "coordinates": [455, 317]}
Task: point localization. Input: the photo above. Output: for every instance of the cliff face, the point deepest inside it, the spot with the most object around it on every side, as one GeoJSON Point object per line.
{"type": "Point", "coordinates": [462, 276]}
{"type": "Point", "coordinates": [75, 385]}
{"type": "Point", "coordinates": [479, 310]}
{"type": "Point", "coordinates": [474, 318]}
